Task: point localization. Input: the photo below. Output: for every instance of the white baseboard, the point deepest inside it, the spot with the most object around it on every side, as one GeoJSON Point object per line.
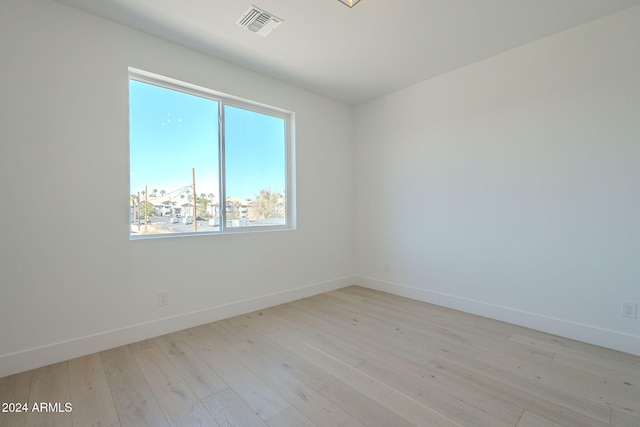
{"type": "Point", "coordinates": [576, 331]}
{"type": "Point", "coordinates": [52, 353]}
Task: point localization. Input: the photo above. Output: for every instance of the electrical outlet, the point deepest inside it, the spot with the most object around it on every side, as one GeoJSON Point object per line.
{"type": "Point", "coordinates": [630, 309]}
{"type": "Point", "coordinates": [163, 298]}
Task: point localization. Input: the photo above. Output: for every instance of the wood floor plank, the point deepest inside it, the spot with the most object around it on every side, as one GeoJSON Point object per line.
{"type": "Point", "coordinates": [593, 385]}
{"type": "Point", "coordinates": [309, 402]}
{"type": "Point", "coordinates": [142, 345]}
{"type": "Point", "coordinates": [623, 418]}
{"type": "Point", "coordinates": [377, 325]}
{"type": "Point", "coordinates": [14, 390]}
{"type": "Point", "coordinates": [50, 386]}
{"type": "Point", "coordinates": [179, 404]}
{"type": "Point", "coordinates": [386, 396]}
{"type": "Point", "coordinates": [308, 373]}
{"type": "Point", "coordinates": [90, 393]}
{"type": "Point", "coordinates": [134, 400]}
{"type": "Point", "coordinates": [596, 367]}
{"type": "Point", "coordinates": [605, 356]}
{"type": "Point", "coordinates": [327, 336]}
{"type": "Point", "coordinates": [351, 347]}
{"type": "Point", "coordinates": [361, 407]}
{"type": "Point", "coordinates": [199, 376]}
{"type": "Point", "coordinates": [61, 368]}
{"type": "Point", "coordinates": [264, 401]}
{"type": "Point", "coordinates": [469, 393]}
{"type": "Point", "coordinates": [448, 334]}
{"type": "Point", "coordinates": [576, 391]}
{"type": "Point", "coordinates": [433, 314]}
{"type": "Point", "coordinates": [230, 410]}
{"type": "Point", "coordinates": [507, 387]}
{"type": "Point", "coordinates": [219, 335]}
{"type": "Point", "coordinates": [529, 419]}
{"type": "Point", "coordinates": [367, 339]}
{"type": "Point", "coordinates": [432, 394]}
{"type": "Point", "coordinates": [290, 417]}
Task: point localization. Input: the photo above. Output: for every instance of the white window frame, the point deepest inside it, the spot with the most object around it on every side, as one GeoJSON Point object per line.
{"type": "Point", "coordinates": [237, 102]}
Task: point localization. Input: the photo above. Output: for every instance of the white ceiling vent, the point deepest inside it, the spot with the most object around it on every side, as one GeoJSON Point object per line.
{"type": "Point", "coordinates": [258, 21]}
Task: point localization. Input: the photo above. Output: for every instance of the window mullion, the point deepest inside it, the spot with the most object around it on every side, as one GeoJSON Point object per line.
{"type": "Point", "coordinates": [221, 168]}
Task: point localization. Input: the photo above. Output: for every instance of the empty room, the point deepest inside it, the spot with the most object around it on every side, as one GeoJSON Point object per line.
{"type": "Point", "coordinates": [320, 213]}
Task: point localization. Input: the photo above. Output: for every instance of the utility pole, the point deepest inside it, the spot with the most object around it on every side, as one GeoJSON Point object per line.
{"type": "Point", "coordinates": [146, 210]}
{"type": "Point", "coordinates": [138, 199]}
{"type": "Point", "coordinates": [195, 198]}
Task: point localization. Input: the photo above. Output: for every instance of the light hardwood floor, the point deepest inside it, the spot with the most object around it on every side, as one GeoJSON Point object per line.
{"type": "Point", "coordinates": [349, 357]}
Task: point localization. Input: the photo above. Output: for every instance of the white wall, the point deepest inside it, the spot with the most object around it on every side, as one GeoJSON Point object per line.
{"type": "Point", "coordinates": [511, 187]}
{"type": "Point", "coordinates": [71, 282]}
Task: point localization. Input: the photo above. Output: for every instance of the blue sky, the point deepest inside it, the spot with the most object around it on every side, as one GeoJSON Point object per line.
{"type": "Point", "coordinates": [172, 132]}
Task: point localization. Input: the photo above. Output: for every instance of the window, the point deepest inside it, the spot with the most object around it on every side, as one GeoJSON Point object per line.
{"type": "Point", "coordinates": [204, 162]}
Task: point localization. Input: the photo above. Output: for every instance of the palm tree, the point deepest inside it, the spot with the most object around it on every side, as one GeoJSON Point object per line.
{"type": "Point", "coordinates": [133, 207]}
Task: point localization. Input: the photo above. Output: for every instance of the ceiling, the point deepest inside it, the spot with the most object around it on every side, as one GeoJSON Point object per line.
{"type": "Point", "coordinates": [354, 55]}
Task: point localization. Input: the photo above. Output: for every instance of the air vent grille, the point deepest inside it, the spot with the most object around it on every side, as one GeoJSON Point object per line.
{"type": "Point", "coordinates": [258, 21]}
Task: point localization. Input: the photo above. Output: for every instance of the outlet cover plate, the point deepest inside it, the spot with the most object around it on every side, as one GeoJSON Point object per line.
{"type": "Point", "coordinates": [630, 309]}
{"type": "Point", "coordinates": [163, 298]}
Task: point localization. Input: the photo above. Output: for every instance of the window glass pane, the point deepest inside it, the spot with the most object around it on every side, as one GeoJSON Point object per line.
{"type": "Point", "coordinates": [172, 134]}
{"type": "Point", "coordinates": [255, 168]}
